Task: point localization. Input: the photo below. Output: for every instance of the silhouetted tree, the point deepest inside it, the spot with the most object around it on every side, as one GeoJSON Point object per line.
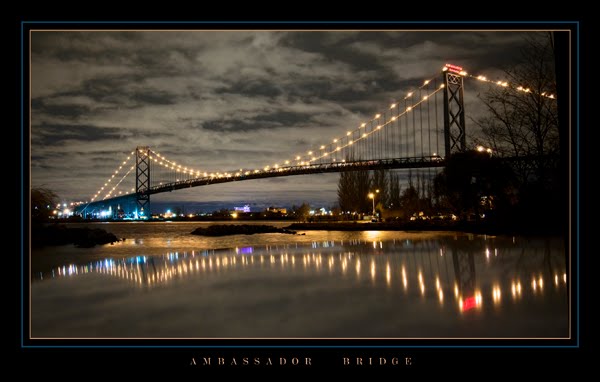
{"type": "Point", "coordinates": [395, 191]}
{"type": "Point", "coordinates": [302, 212]}
{"type": "Point", "coordinates": [379, 181]}
{"type": "Point", "coordinates": [353, 188]}
{"type": "Point", "coordinates": [470, 177]}
{"type": "Point", "coordinates": [525, 123]}
{"type": "Point", "coordinates": [43, 202]}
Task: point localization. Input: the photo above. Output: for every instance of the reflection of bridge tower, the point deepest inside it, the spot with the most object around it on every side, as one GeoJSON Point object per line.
{"type": "Point", "coordinates": [142, 179]}
{"type": "Point", "coordinates": [464, 271]}
{"type": "Point", "coordinates": [454, 110]}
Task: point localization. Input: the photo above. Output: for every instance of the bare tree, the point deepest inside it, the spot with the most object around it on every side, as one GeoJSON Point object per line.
{"type": "Point", "coordinates": [380, 181]}
{"type": "Point", "coordinates": [395, 191]}
{"type": "Point", "coordinates": [43, 201]}
{"type": "Point", "coordinates": [353, 188]}
{"type": "Point", "coordinates": [524, 123]}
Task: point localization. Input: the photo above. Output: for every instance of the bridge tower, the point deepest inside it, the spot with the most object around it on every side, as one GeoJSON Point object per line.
{"type": "Point", "coordinates": [454, 109]}
{"type": "Point", "coordinates": [142, 179]}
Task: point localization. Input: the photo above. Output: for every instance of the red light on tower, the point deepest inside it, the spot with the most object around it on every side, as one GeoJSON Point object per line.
{"type": "Point", "coordinates": [453, 68]}
{"type": "Point", "coordinates": [469, 303]}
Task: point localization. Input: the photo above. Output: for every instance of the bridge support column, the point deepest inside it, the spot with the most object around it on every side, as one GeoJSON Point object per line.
{"type": "Point", "coordinates": [142, 180]}
{"type": "Point", "coordinates": [454, 113]}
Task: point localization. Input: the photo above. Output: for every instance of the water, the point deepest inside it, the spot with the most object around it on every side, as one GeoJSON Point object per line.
{"type": "Point", "coordinates": [164, 283]}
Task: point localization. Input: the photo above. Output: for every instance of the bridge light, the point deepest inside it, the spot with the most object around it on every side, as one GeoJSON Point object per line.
{"type": "Point", "coordinates": [462, 73]}
{"type": "Point", "coordinates": [335, 140]}
{"type": "Point", "coordinates": [348, 133]}
{"type": "Point", "coordinates": [393, 119]}
{"type": "Point", "coordinates": [393, 106]}
{"type": "Point", "coordinates": [363, 124]}
{"type": "Point", "coordinates": [287, 162]}
{"type": "Point", "coordinates": [426, 82]}
{"type": "Point", "coordinates": [325, 154]}
{"type": "Point", "coordinates": [378, 127]}
{"type": "Point", "coordinates": [310, 153]}
{"type": "Point", "coordinates": [322, 147]}
{"type": "Point", "coordinates": [409, 108]}
{"type": "Point", "coordinates": [442, 86]}
{"type": "Point", "coordinates": [409, 94]}
{"type": "Point", "coordinates": [351, 142]}
{"type": "Point", "coordinates": [425, 97]}
{"type": "Point", "coordinates": [364, 135]}
{"type": "Point", "coordinates": [480, 148]}
{"type": "Point", "coordinates": [377, 115]}
{"type": "Point", "coordinates": [297, 158]}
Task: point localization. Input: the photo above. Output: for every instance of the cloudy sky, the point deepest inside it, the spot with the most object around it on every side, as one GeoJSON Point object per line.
{"type": "Point", "coordinates": [227, 99]}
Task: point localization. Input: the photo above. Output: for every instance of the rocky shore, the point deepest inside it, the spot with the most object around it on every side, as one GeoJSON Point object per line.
{"type": "Point", "coordinates": [61, 235]}
{"type": "Point", "coordinates": [243, 229]}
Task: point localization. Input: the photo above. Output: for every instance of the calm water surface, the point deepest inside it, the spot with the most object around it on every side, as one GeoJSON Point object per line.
{"type": "Point", "coordinates": [163, 282]}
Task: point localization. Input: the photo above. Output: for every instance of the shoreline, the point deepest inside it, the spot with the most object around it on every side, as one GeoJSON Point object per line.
{"type": "Point", "coordinates": [466, 227]}
{"type": "Point", "coordinates": [483, 227]}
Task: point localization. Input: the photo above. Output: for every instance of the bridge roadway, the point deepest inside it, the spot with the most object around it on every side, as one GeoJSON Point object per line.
{"type": "Point", "coordinates": [376, 164]}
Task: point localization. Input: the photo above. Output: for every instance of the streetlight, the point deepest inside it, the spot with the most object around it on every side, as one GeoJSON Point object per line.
{"type": "Point", "coordinates": [372, 197]}
{"type": "Point", "coordinates": [484, 149]}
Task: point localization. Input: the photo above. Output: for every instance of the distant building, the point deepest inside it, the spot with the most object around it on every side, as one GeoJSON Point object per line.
{"type": "Point", "coordinates": [277, 210]}
{"type": "Point", "coordinates": [245, 208]}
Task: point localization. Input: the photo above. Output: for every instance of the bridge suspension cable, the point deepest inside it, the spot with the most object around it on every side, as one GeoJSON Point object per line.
{"type": "Point", "coordinates": [506, 84]}
{"type": "Point", "coordinates": [109, 180]}
{"type": "Point", "coordinates": [118, 183]}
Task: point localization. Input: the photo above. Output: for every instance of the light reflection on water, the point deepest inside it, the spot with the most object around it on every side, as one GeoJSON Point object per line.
{"type": "Point", "coordinates": [393, 288]}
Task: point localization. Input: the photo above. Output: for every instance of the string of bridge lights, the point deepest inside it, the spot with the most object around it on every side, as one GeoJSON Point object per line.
{"type": "Point", "coordinates": [118, 183]}
{"type": "Point", "coordinates": [316, 154]}
{"type": "Point", "coordinates": [116, 172]}
{"type": "Point", "coordinates": [309, 156]}
{"type": "Point", "coordinates": [171, 165]}
{"type": "Point", "coordinates": [506, 84]}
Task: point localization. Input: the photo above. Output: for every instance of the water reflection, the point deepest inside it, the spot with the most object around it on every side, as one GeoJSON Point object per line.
{"type": "Point", "coordinates": [464, 276]}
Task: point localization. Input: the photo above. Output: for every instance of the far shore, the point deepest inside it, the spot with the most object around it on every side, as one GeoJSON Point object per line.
{"type": "Point", "coordinates": [476, 227]}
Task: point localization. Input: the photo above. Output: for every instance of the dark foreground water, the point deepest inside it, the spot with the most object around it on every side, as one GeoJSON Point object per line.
{"type": "Point", "coordinates": [162, 282]}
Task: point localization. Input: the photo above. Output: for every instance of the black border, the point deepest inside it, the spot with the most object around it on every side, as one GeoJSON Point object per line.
{"type": "Point", "coordinates": [493, 353]}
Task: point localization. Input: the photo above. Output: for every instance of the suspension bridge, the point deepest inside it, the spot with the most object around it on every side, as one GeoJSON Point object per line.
{"type": "Point", "coordinates": [419, 130]}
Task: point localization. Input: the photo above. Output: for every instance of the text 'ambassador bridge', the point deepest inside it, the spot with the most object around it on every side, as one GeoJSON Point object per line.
{"type": "Point", "coordinates": [419, 130]}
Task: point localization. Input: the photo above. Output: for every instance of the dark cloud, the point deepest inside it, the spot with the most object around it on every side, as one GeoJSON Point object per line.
{"type": "Point", "coordinates": [226, 100]}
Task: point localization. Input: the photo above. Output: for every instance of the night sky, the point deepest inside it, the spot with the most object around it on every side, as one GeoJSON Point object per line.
{"type": "Point", "coordinates": [228, 99]}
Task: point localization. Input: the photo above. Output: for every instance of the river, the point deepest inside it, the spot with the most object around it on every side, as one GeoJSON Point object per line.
{"type": "Point", "coordinates": [162, 282]}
